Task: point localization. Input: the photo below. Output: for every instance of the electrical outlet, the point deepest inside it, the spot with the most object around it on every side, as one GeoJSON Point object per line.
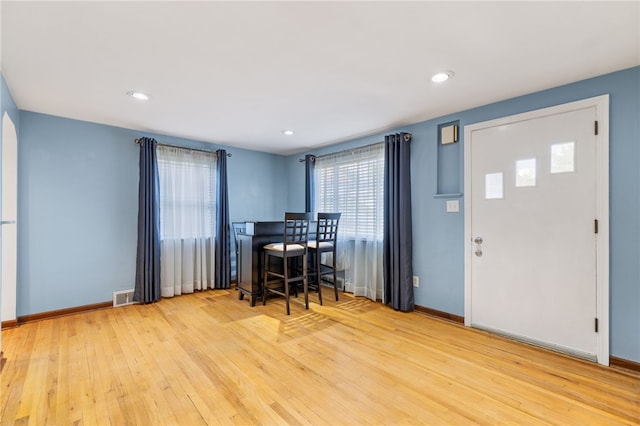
{"type": "Point", "coordinates": [416, 281]}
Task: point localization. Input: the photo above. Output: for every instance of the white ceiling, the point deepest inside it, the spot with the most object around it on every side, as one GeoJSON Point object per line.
{"type": "Point", "coordinates": [238, 73]}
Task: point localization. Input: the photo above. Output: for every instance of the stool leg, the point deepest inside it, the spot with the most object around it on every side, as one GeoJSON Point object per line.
{"type": "Point", "coordinates": [286, 282]}
{"type": "Point", "coordinates": [294, 262]}
{"type": "Point", "coordinates": [305, 283]}
{"type": "Point", "coordinates": [335, 277]}
{"type": "Point", "coordinates": [318, 255]}
{"type": "Point", "coordinates": [264, 278]}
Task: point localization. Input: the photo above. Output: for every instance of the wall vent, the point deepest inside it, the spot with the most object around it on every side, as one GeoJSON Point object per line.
{"type": "Point", "coordinates": [123, 297]}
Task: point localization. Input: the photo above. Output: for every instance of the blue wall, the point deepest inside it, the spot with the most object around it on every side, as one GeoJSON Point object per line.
{"type": "Point", "coordinates": [438, 252]}
{"type": "Point", "coordinates": [77, 207]}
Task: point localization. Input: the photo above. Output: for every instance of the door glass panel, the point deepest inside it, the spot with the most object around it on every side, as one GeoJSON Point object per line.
{"type": "Point", "coordinates": [493, 186]}
{"type": "Point", "coordinates": [526, 172]}
{"type": "Point", "coordinates": [563, 159]}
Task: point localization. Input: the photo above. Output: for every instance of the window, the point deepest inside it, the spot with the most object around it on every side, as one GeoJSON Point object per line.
{"type": "Point", "coordinates": [187, 193]}
{"type": "Point", "coordinates": [352, 183]}
{"type": "Point", "coordinates": [493, 188]}
{"type": "Point", "coordinates": [563, 157]}
{"type": "Point", "coordinates": [526, 172]}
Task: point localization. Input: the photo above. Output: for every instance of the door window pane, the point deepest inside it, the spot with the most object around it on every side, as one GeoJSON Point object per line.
{"type": "Point", "coordinates": [526, 172]}
{"type": "Point", "coordinates": [563, 159]}
{"type": "Point", "coordinates": [493, 186]}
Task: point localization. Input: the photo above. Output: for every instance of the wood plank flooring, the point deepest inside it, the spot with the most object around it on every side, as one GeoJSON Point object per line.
{"type": "Point", "coordinates": [210, 359]}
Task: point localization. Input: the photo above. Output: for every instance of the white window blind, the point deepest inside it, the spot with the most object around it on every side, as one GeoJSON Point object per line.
{"type": "Point", "coordinates": [187, 193]}
{"type": "Point", "coordinates": [352, 183]}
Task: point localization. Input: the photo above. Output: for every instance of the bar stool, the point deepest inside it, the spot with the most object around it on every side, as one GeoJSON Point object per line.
{"type": "Point", "coordinates": [325, 242]}
{"type": "Point", "coordinates": [293, 245]}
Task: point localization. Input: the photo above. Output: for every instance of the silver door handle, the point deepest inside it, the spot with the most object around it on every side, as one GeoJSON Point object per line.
{"type": "Point", "coordinates": [7, 222]}
{"type": "Point", "coordinates": [478, 240]}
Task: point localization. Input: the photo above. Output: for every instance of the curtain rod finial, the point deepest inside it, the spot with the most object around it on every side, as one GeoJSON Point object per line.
{"type": "Point", "coordinates": [308, 156]}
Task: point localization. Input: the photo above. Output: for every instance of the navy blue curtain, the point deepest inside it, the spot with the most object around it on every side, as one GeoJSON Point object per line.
{"type": "Point", "coordinates": [309, 183]}
{"type": "Point", "coordinates": [397, 244]}
{"type": "Point", "coordinates": [147, 285]}
{"type": "Point", "coordinates": [223, 240]}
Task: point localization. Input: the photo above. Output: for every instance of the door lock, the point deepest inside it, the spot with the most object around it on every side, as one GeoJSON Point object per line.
{"type": "Point", "coordinates": [478, 241]}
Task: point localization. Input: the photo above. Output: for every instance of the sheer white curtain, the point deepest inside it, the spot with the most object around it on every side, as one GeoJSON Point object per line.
{"type": "Point", "coordinates": [352, 183]}
{"type": "Point", "coordinates": [187, 219]}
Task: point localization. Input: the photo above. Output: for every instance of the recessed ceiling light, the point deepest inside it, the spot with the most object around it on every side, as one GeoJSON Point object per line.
{"type": "Point", "coordinates": [442, 76]}
{"type": "Point", "coordinates": [287, 132]}
{"type": "Point", "coordinates": [138, 95]}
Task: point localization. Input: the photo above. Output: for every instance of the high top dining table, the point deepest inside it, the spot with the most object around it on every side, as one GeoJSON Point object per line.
{"type": "Point", "coordinates": [250, 244]}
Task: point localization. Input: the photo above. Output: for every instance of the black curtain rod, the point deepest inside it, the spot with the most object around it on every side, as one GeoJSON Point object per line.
{"type": "Point", "coordinates": [139, 140]}
{"type": "Point", "coordinates": [302, 160]}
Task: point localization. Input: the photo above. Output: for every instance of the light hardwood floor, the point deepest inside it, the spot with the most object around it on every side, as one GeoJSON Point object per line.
{"type": "Point", "coordinates": [209, 358]}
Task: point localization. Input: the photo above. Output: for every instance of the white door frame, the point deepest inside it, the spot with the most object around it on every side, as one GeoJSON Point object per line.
{"type": "Point", "coordinates": [8, 255]}
{"type": "Point", "coordinates": [602, 208]}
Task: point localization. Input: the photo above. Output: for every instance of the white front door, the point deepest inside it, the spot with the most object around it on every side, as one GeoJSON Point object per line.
{"type": "Point", "coordinates": [533, 194]}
